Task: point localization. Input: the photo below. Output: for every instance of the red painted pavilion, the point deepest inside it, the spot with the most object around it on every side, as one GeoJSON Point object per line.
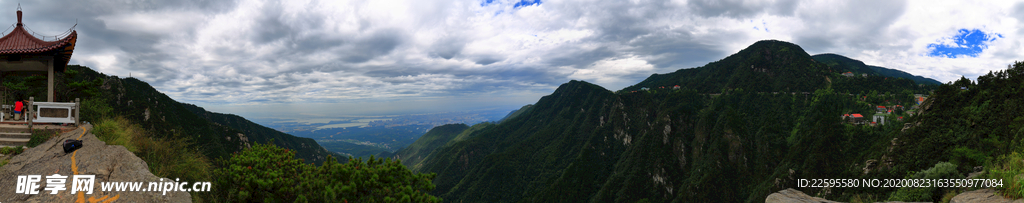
{"type": "Point", "coordinates": [20, 50]}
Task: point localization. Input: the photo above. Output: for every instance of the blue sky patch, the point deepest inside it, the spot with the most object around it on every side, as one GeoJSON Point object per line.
{"type": "Point", "coordinates": [523, 3]}
{"type": "Point", "coordinates": [764, 26]}
{"type": "Point", "coordinates": [486, 2]}
{"type": "Point", "coordinates": [965, 43]}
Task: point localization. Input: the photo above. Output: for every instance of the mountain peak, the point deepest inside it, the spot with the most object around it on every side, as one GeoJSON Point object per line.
{"type": "Point", "coordinates": [767, 65]}
{"type": "Point", "coordinates": [579, 84]}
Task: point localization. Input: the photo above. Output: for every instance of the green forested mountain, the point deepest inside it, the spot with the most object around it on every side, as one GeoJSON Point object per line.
{"type": "Point", "coordinates": [967, 123]}
{"type": "Point", "coordinates": [764, 66]}
{"type": "Point", "coordinates": [436, 137]}
{"type": "Point", "coordinates": [308, 149]}
{"type": "Point", "coordinates": [722, 138]}
{"type": "Point", "coordinates": [515, 113]}
{"type": "Point", "coordinates": [844, 64]}
{"type": "Point", "coordinates": [216, 135]}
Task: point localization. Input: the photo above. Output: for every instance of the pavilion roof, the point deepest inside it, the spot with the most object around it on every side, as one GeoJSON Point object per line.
{"type": "Point", "coordinates": [20, 42]}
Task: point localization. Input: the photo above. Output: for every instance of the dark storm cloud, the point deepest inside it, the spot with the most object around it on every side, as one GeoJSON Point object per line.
{"type": "Point", "coordinates": [679, 49]}
{"type": "Point", "coordinates": [740, 8]}
{"type": "Point", "coordinates": [581, 57]}
{"type": "Point", "coordinates": [849, 24]}
{"type": "Point", "coordinates": [447, 47]}
{"type": "Point", "coordinates": [380, 43]}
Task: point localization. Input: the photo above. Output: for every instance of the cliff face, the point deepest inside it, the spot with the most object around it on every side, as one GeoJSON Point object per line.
{"type": "Point", "coordinates": [109, 163]}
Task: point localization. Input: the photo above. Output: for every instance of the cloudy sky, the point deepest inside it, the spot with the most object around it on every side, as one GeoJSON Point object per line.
{"type": "Point", "coordinates": [267, 57]}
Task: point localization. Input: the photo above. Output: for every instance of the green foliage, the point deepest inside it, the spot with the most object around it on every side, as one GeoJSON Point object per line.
{"type": "Point", "coordinates": [351, 149]}
{"type": "Point", "coordinates": [943, 170]}
{"type": "Point", "coordinates": [25, 86]}
{"type": "Point", "coordinates": [436, 137]}
{"type": "Point", "coordinates": [737, 130]}
{"type": "Point", "coordinates": [967, 127]}
{"type": "Point", "coordinates": [307, 148]}
{"type": "Point", "coordinates": [76, 82]}
{"type": "Point", "coordinates": [41, 136]}
{"type": "Point", "coordinates": [515, 113]}
{"type": "Point", "coordinates": [95, 109]}
{"type": "Point", "coordinates": [117, 131]}
{"type": "Point", "coordinates": [761, 67]}
{"type": "Point", "coordinates": [166, 157]}
{"type": "Point", "coordinates": [842, 64]}
{"type": "Point", "coordinates": [1008, 170]}
{"type": "Point", "coordinates": [268, 173]}
{"type": "Point", "coordinates": [7, 150]}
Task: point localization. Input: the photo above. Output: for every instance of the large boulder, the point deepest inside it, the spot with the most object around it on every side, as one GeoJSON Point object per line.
{"type": "Point", "coordinates": [790, 195]}
{"type": "Point", "coordinates": [109, 163]}
{"type": "Point", "coordinates": [981, 196]}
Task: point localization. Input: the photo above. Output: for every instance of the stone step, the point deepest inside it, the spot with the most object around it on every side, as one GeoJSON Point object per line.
{"type": "Point", "coordinates": [14, 141]}
{"type": "Point", "coordinates": [14, 128]}
{"type": "Point", "coordinates": [15, 135]}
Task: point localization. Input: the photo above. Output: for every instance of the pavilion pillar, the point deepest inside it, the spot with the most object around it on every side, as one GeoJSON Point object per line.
{"type": "Point", "coordinates": [49, 80]}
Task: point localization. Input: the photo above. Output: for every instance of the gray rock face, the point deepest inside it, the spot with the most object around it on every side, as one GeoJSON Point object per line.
{"type": "Point", "coordinates": [981, 196]}
{"type": "Point", "coordinates": [791, 195]}
{"type": "Point", "coordinates": [109, 163]}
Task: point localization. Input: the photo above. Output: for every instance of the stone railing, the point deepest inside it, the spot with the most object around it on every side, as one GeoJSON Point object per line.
{"type": "Point", "coordinates": [71, 109]}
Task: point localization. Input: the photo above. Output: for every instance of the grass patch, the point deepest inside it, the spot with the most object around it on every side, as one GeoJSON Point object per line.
{"type": "Point", "coordinates": [11, 150]}
{"type": "Point", "coordinates": [864, 198]}
{"type": "Point", "coordinates": [4, 162]}
{"type": "Point", "coordinates": [41, 136]}
{"type": "Point", "coordinates": [7, 150]}
{"type": "Point", "coordinates": [118, 131]}
{"type": "Point", "coordinates": [166, 157]}
{"type": "Point", "coordinates": [949, 196]}
{"type": "Point", "coordinates": [941, 170]}
{"type": "Point", "coordinates": [1009, 168]}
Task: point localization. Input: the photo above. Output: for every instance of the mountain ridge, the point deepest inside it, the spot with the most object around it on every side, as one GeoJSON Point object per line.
{"type": "Point", "coordinates": [856, 66]}
{"type": "Point", "coordinates": [216, 135]}
{"type": "Point", "coordinates": [584, 143]}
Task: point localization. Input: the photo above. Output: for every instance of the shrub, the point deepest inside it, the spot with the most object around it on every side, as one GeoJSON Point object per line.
{"type": "Point", "coordinates": [1008, 170]}
{"type": "Point", "coordinates": [167, 157]}
{"type": "Point", "coordinates": [267, 173]}
{"type": "Point", "coordinates": [41, 136]}
{"type": "Point", "coordinates": [942, 170]}
{"type": "Point", "coordinates": [94, 109]}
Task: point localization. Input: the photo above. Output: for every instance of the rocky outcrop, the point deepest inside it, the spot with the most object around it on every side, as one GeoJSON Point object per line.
{"type": "Point", "coordinates": [981, 196]}
{"type": "Point", "coordinates": [109, 163]}
{"type": "Point", "coordinates": [790, 195]}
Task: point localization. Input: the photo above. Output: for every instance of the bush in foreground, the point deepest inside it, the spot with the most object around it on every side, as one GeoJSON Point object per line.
{"type": "Point", "coordinates": [166, 157]}
{"type": "Point", "coordinates": [1008, 170]}
{"type": "Point", "coordinates": [942, 170]}
{"type": "Point", "coordinates": [267, 173]}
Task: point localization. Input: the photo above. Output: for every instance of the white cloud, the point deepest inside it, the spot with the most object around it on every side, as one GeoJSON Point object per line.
{"type": "Point", "coordinates": [608, 72]}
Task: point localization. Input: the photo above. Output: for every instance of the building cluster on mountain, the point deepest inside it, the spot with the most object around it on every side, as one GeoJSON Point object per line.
{"type": "Point", "coordinates": [879, 117]}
